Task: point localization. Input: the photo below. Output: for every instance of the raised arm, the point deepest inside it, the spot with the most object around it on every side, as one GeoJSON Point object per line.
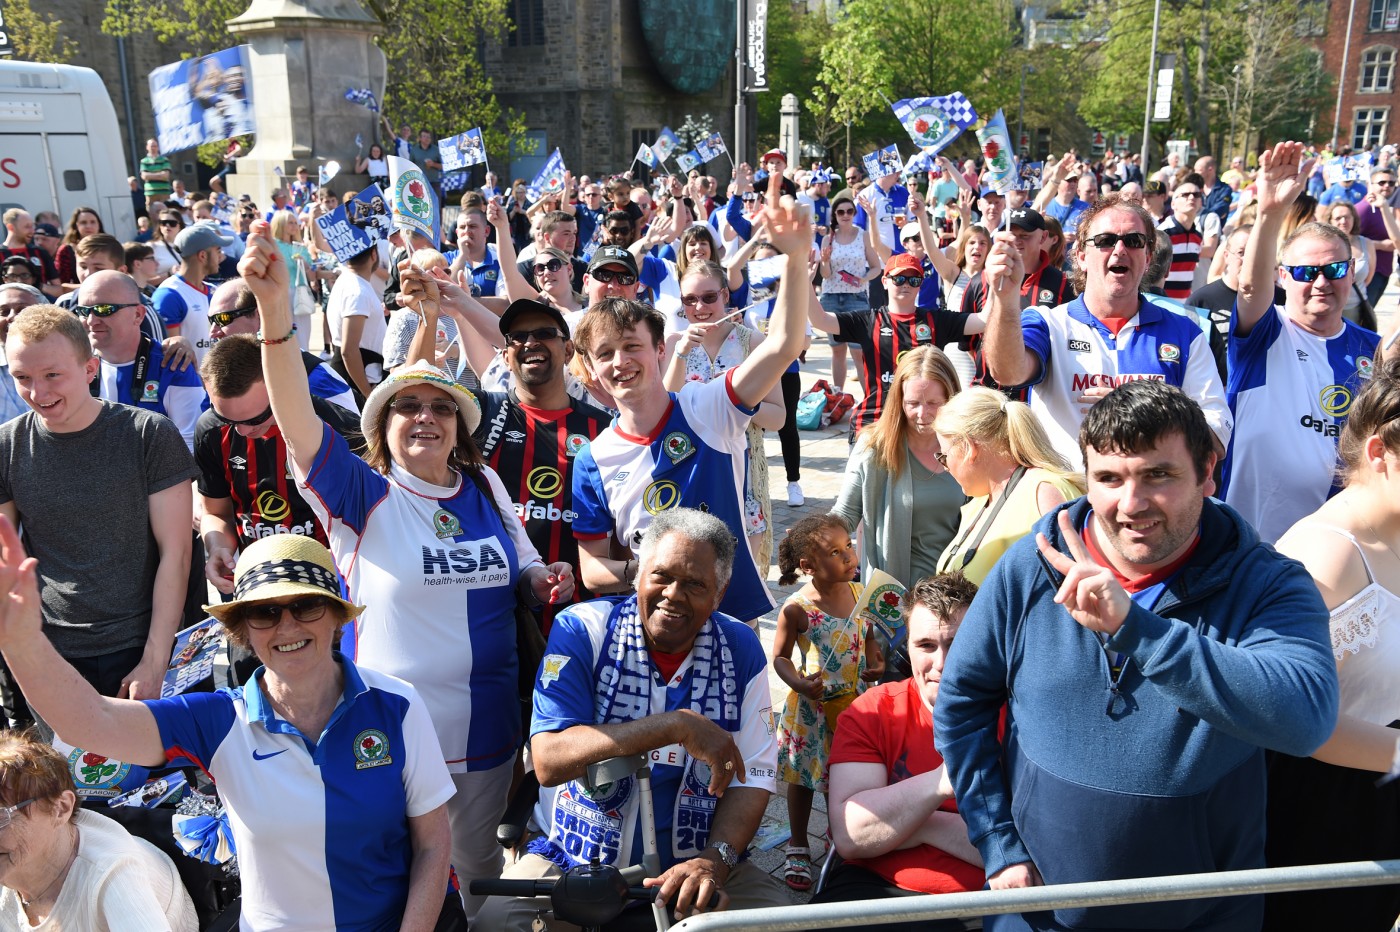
{"type": "Point", "coordinates": [1282, 177]}
{"type": "Point", "coordinates": [117, 728]}
{"type": "Point", "coordinates": [1050, 180]}
{"type": "Point", "coordinates": [946, 268]}
{"type": "Point", "coordinates": [265, 272]}
{"type": "Point", "coordinates": [1004, 346]}
{"type": "Point", "coordinates": [790, 232]}
{"type": "Point", "coordinates": [517, 286]}
{"type": "Point", "coordinates": [477, 325]}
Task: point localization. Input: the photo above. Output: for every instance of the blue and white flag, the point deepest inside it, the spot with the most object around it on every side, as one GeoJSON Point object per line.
{"type": "Point", "coordinates": [933, 122]}
{"type": "Point", "coordinates": [412, 202]}
{"type": "Point", "coordinates": [666, 143]}
{"type": "Point", "coordinates": [463, 150]}
{"type": "Point", "coordinates": [364, 97]}
{"type": "Point", "coordinates": [645, 156]}
{"type": "Point", "coordinates": [689, 160]}
{"type": "Point", "coordinates": [996, 150]}
{"type": "Point", "coordinates": [919, 163]}
{"type": "Point", "coordinates": [883, 162]}
{"type": "Point", "coordinates": [550, 180]}
{"type": "Point", "coordinates": [711, 147]}
{"type": "Point", "coordinates": [327, 172]}
{"type": "Point", "coordinates": [357, 224]}
{"type": "Point", "coordinates": [203, 99]}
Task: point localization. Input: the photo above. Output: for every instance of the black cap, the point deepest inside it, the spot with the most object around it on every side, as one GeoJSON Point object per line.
{"type": "Point", "coordinates": [1026, 218]}
{"type": "Point", "coordinates": [614, 255]}
{"type": "Point", "coordinates": [46, 229]}
{"type": "Point", "coordinates": [526, 306]}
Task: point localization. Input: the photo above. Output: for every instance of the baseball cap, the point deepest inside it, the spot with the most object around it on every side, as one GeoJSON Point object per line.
{"type": "Point", "coordinates": [773, 154]}
{"type": "Point", "coordinates": [909, 231]}
{"type": "Point", "coordinates": [904, 264]}
{"type": "Point", "coordinates": [46, 229]}
{"type": "Point", "coordinates": [989, 192]}
{"type": "Point", "coordinates": [1026, 218]}
{"type": "Point", "coordinates": [1153, 189]}
{"type": "Point", "coordinates": [613, 255]}
{"type": "Point", "coordinates": [525, 306]}
{"type": "Point", "coordinates": [201, 236]}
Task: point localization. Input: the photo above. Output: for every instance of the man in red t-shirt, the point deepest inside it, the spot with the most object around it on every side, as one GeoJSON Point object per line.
{"type": "Point", "coordinates": [891, 810]}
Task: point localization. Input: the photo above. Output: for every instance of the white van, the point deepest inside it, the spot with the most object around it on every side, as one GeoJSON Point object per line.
{"type": "Point", "coordinates": [60, 146]}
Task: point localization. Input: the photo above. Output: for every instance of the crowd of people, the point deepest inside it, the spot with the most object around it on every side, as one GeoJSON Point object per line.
{"type": "Point", "coordinates": [1127, 492]}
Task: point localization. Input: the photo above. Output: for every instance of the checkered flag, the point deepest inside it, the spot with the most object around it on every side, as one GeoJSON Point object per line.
{"type": "Point", "coordinates": [934, 122]}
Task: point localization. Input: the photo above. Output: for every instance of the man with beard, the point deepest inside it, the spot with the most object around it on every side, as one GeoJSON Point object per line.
{"type": "Point", "coordinates": [1140, 681]}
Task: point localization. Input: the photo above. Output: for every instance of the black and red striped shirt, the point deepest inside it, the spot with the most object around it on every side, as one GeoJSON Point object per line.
{"type": "Point", "coordinates": [1047, 286]}
{"type": "Point", "coordinates": [533, 450]}
{"type": "Point", "coordinates": [884, 337]}
{"type": "Point", "coordinates": [256, 475]}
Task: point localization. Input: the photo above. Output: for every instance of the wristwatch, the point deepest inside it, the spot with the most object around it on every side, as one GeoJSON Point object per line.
{"type": "Point", "coordinates": [727, 853]}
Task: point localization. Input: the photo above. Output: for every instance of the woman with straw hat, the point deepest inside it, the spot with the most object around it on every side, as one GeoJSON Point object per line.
{"type": "Point", "coordinates": [331, 776]}
{"type": "Point", "coordinates": [426, 536]}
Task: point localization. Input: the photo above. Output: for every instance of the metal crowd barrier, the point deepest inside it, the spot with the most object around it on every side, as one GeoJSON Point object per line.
{"type": "Point", "coordinates": [1100, 893]}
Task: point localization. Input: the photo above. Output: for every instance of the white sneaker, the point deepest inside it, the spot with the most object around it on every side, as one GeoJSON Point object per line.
{"type": "Point", "coordinates": [795, 497]}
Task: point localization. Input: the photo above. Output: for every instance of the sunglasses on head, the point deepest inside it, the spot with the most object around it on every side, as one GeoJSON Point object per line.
{"type": "Point", "coordinates": [609, 276]}
{"type": "Point", "coordinates": [224, 318]}
{"type": "Point", "coordinates": [262, 617]}
{"type": "Point", "coordinates": [1109, 240]}
{"type": "Point", "coordinates": [1332, 271]}
{"type": "Point", "coordinates": [898, 280]}
{"type": "Point", "coordinates": [100, 310]}
{"type": "Point", "coordinates": [249, 422]}
{"type": "Point", "coordinates": [553, 265]}
{"type": "Point", "coordinates": [539, 335]}
{"type": "Point", "coordinates": [691, 300]}
{"type": "Point", "coordinates": [409, 407]}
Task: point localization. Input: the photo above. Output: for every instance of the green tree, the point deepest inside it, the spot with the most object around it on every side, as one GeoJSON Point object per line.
{"type": "Point", "coordinates": [881, 51]}
{"type": "Point", "coordinates": [795, 40]}
{"type": "Point", "coordinates": [37, 36]}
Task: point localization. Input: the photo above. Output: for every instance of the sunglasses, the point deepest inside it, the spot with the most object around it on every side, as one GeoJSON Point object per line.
{"type": "Point", "coordinates": [250, 422]}
{"type": "Point", "coordinates": [262, 617]}
{"type": "Point", "coordinates": [553, 265]}
{"type": "Point", "coordinates": [539, 335]}
{"type": "Point", "coordinates": [750, 198]}
{"type": "Point", "coordinates": [224, 318]}
{"type": "Point", "coordinates": [170, 223]}
{"type": "Point", "coordinates": [845, 212]}
{"type": "Point", "coordinates": [709, 297]}
{"type": "Point", "coordinates": [1332, 271]}
{"type": "Point", "coordinates": [608, 277]}
{"type": "Point", "coordinates": [911, 280]}
{"type": "Point", "coordinates": [7, 813]}
{"type": "Point", "coordinates": [100, 310]}
{"type": "Point", "coordinates": [1109, 240]}
{"type": "Point", "coordinates": [1189, 194]}
{"type": "Point", "coordinates": [409, 407]}
{"type": "Point", "coordinates": [619, 231]}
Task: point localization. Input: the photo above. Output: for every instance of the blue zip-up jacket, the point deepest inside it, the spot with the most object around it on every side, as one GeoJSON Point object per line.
{"type": "Point", "coordinates": [1234, 657]}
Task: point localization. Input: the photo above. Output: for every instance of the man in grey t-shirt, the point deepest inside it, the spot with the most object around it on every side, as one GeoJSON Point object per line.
{"type": "Point", "coordinates": [103, 493]}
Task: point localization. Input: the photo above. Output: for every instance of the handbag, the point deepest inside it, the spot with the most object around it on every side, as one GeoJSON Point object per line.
{"type": "Point", "coordinates": [1365, 313]}
{"type": "Point", "coordinates": [303, 299]}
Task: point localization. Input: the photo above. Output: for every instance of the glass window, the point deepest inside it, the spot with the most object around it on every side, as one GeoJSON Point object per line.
{"type": "Point", "coordinates": [1377, 70]}
{"type": "Point", "coordinates": [528, 18]}
{"type": "Point", "coordinates": [1370, 126]}
{"type": "Point", "coordinates": [1385, 15]}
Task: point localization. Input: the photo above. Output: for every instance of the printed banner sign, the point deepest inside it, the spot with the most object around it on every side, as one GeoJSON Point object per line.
{"type": "Point", "coordinates": [463, 150]}
{"type": "Point", "coordinates": [203, 99]}
{"type": "Point", "coordinates": [883, 162]}
{"type": "Point", "coordinates": [755, 48]}
{"type": "Point", "coordinates": [357, 224]}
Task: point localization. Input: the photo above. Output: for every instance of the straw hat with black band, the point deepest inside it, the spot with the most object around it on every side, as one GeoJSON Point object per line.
{"type": "Point", "coordinates": [279, 567]}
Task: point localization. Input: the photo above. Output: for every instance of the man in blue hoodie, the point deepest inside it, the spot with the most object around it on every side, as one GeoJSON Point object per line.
{"type": "Point", "coordinates": [1147, 647]}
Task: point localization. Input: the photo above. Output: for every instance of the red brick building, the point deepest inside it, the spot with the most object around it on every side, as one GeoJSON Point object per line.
{"type": "Point", "coordinates": [1368, 82]}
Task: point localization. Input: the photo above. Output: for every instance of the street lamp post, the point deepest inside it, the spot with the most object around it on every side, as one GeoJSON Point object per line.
{"type": "Point", "coordinates": [1021, 110]}
{"type": "Point", "coordinates": [1151, 81]}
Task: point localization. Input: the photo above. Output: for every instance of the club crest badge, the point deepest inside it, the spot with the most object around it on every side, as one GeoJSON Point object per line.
{"type": "Point", "coordinates": [678, 446]}
{"type": "Point", "coordinates": [445, 524]}
{"type": "Point", "coordinates": [371, 749]}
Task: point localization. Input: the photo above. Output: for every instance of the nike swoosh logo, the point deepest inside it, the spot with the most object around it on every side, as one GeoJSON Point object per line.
{"type": "Point", "coordinates": [257, 756]}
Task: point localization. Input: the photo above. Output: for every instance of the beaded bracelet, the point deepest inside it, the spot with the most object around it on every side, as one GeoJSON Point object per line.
{"type": "Point", "coordinates": [290, 334]}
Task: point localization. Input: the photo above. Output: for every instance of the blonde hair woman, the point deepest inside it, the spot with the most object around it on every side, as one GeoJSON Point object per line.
{"type": "Point", "coordinates": [895, 479]}
{"type": "Point", "coordinates": [1002, 458]}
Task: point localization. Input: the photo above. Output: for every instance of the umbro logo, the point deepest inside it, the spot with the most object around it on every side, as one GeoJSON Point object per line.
{"type": "Point", "coordinates": [237, 462]}
{"type": "Point", "coordinates": [514, 436]}
{"type": "Point", "coordinates": [622, 476]}
{"type": "Point", "coordinates": [886, 332]}
{"type": "Point", "coordinates": [1302, 355]}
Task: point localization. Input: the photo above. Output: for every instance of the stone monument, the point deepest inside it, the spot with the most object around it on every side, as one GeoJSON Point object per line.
{"type": "Point", "coordinates": [303, 56]}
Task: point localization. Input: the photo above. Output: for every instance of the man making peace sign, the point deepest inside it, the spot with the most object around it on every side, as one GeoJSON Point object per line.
{"type": "Point", "coordinates": [1147, 648]}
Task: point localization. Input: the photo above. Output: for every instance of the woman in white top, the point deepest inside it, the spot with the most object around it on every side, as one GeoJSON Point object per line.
{"type": "Point", "coordinates": [355, 313]}
{"type": "Point", "coordinates": [848, 264]}
{"type": "Point", "coordinates": [64, 869]}
{"type": "Point", "coordinates": [1363, 261]}
{"type": "Point", "coordinates": [375, 165]}
{"type": "Point", "coordinates": [168, 226]}
{"type": "Point", "coordinates": [1328, 808]}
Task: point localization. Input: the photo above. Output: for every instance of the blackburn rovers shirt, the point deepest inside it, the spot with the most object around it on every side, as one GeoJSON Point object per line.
{"type": "Point", "coordinates": [1078, 352]}
{"type": "Point", "coordinates": [320, 822]}
{"type": "Point", "coordinates": [884, 337]}
{"type": "Point", "coordinates": [436, 568]}
{"type": "Point", "coordinates": [146, 382]}
{"type": "Point", "coordinates": [253, 473]}
{"type": "Point", "coordinates": [1290, 391]}
{"type": "Point", "coordinates": [696, 457]}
